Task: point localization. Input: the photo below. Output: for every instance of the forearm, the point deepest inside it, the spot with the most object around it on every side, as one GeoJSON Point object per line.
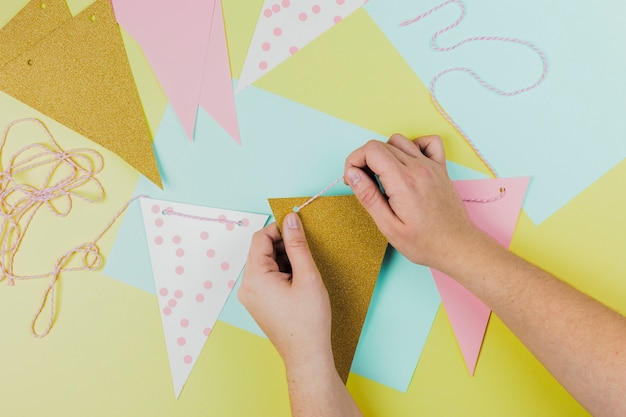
{"type": "Point", "coordinates": [580, 341]}
{"type": "Point", "coordinates": [315, 389]}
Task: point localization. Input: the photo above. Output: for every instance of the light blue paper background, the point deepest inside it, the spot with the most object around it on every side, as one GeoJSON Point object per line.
{"type": "Point", "coordinates": [567, 132]}
{"type": "Point", "coordinates": [288, 150]}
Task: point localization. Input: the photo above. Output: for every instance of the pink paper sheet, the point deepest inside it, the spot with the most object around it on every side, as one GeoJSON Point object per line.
{"type": "Point", "coordinates": [468, 315]}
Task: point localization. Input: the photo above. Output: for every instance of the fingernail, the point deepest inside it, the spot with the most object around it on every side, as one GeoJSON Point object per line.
{"type": "Point", "coordinates": [292, 220]}
{"type": "Point", "coordinates": [353, 177]}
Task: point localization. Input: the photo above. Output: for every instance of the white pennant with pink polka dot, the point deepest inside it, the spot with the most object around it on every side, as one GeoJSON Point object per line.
{"type": "Point", "coordinates": [197, 254]}
{"type": "Point", "coordinates": [286, 26]}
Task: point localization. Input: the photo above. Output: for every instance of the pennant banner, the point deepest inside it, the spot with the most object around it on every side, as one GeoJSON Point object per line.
{"type": "Point", "coordinates": [185, 43]}
{"type": "Point", "coordinates": [285, 27]}
{"type": "Point", "coordinates": [348, 250]}
{"type": "Point", "coordinates": [86, 84]}
{"type": "Point", "coordinates": [197, 254]}
{"type": "Point", "coordinates": [467, 314]}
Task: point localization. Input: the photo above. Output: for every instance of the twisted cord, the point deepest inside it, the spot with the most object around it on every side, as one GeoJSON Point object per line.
{"type": "Point", "coordinates": [474, 75]}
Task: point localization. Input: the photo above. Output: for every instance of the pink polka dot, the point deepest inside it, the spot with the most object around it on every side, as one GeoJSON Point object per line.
{"type": "Point", "coordinates": [302, 17]}
{"type": "Point", "coordinates": [158, 240]}
{"type": "Point", "coordinates": [266, 46]}
{"type": "Point", "coordinates": [199, 298]}
{"type": "Point", "coordinates": [176, 239]}
{"type": "Point", "coordinates": [221, 217]}
{"type": "Point", "coordinates": [158, 222]}
{"type": "Point", "coordinates": [230, 227]}
{"type": "Point", "coordinates": [292, 51]}
{"type": "Point", "coordinates": [204, 235]}
{"type": "Point", "coordinates": [316, 9]}
{"type": "Point", "coordinates": [225, 266]}
{"type": "Point", "coordinates": [181, 341]}
{"type": "Point", "coordinates": [169, 210]}
{"type": "Point", "coordinates": [277, 31]}
{"type": "Point", "coordinates": [167, 311]}
{"type": "Point", "coordinates": [178, 294]}
{"type": "Point", "coordinates": [163, 292]}
{"type": "Point", "coordinates": [341, 1]}
{"type": "Point", "coordinates": [172, 303]}
{"type": "Point", "coordinates": [276, 8]}
{"type": "Point", "coordinates": [246, 222]}
{"type": "Point", "coordinates": [184, 323]}
{"type": "Point", "coordinates": [210, 253]}
{"type": "Point", "coordinates": [155, 209]}
{"type": "Point", "coordinates": [180, 270]}
{"type": "Point", "coordinates": [267, 13]}
{"type": "Point", "coordinates": [188, 359]}
{"type": "Point", "coordinates": [206, 331]}
{"type": "Point", "coordinates": [208, 285]}
{"type": "Point", "coordinates": [180, 252]}
{"type": "Point", "coordinates": [286, 3]}
{"type": "Point", "coordinates": [337, 19]}
{"type": "Point", "coordinates": [231, 284]}
{"type": "Point", "coordinates": [263, 65]}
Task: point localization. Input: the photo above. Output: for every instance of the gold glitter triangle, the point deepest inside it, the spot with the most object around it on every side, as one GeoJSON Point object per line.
{"type": "Point", "coordinates": [349, 250]}
{"type": "Point", "coordinates": [78, 74]}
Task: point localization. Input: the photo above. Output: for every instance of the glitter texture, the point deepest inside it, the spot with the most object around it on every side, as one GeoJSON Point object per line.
{"type": "Point", "coordinates": [76, 71]}
{"type": "Point", "coordinates": [348, 249]}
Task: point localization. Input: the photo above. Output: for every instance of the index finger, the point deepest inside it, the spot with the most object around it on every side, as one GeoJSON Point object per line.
{"type": "Point", "coordinates": [262, 244]}
{"type": "Point", "coordinates": [373, 155]}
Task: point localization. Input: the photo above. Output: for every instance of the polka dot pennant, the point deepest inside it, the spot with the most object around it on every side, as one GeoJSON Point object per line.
{"type": "Point", "coordinates": [286, 26]}
{"type": "Point", "coordinates": [197, 254]}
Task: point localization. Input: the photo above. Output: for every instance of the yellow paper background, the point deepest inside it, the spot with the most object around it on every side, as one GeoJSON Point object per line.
{"type": "Point", "coordinates": [106, 356]}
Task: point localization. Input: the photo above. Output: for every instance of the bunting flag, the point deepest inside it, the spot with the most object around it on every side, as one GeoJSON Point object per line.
{"type": "Point", "coordinates": [287, 26]}
{"type": "Point", "coordinates": [197, 254]}
{"type": "Point", "coordinates": [86, 84]}
{"type": "Point", "coordinates": [185, 43]}
{"type": "Point", "coordinates": [467, 314]}
{"type": "Point", "coordinates": [348, 249]}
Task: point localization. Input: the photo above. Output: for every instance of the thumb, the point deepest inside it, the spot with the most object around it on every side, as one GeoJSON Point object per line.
{"type": "Point", "coordinates": [297, 248]}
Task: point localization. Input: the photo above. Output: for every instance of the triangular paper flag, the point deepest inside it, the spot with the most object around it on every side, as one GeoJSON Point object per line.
{"type": "Point", "coordinates": [79, 75]}
{"type": "Point", "coordinates": [30, 26]}
{"type": "Point", "coordinates": [185, 43]}
{"type": "Point", "coordinates": [286, 26]}
{"type": "Point", "coordinates": [197, 253]}
{"type": "Point", "coordinates": [468, 315]}
{"type": "Point", "coordinates": [348, 250]}
{"type": "Point", "coordinates": [217, 96]}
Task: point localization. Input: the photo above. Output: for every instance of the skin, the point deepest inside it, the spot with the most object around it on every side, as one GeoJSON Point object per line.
{"type": "Point", "coordinates": [579, 340]}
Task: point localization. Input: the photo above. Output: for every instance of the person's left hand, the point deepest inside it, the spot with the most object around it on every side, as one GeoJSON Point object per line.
{"type": "Point", "coordinates": [284, 292]}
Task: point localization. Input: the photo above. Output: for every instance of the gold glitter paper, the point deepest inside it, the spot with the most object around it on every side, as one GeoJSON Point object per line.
{"type": "Point", "coordinates": [348, 249]}
{"type": "Point", "coordinates": [79, 75]}
{"type": "Point", "coordinates": [29, 27]}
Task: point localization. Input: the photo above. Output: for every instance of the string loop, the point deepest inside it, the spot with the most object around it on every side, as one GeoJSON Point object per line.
{"type": "Point", "coordinates": [67, 176]}
{"type": "Point", "coordinates": [470, 72]}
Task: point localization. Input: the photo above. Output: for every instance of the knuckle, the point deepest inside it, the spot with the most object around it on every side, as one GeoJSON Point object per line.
{"type": "Point", "coordinates": [373, 145]}
{"type": "Point", "coordinates": [369, 196]}
{"type": "Point", "coordinates": [298, 243]}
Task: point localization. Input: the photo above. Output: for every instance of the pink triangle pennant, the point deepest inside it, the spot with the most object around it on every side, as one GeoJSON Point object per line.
{"type": "Point", "coordinates": [286, 26]}
{"type": "Point", "coordinates": [188, 55]}
{"type": "Point", "coordinates": [197, 254]}
{"type": "Point", "coordinates": [468, 315]}
{"type": "Point", "coordinates": [217, 96]}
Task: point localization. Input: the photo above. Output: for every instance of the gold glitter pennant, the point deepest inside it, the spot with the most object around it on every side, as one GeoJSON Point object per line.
{"type": "Point", "coordinates": [348, 249]}
{"type": "Point", "coordinates": [78, 73]}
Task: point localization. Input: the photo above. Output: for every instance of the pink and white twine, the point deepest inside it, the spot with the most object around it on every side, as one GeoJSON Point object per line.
{"type": "Point", "coordinates": [478, 78]}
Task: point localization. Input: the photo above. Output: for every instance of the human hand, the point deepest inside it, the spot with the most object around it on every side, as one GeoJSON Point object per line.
{"type": "Point", "coordinates": [422, 214]}
{"type": "Point", "coordinates": [284, 292]}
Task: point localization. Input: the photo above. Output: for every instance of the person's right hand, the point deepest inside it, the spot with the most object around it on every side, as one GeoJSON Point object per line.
{"type": "Point", "coordinates": [420, 213]}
